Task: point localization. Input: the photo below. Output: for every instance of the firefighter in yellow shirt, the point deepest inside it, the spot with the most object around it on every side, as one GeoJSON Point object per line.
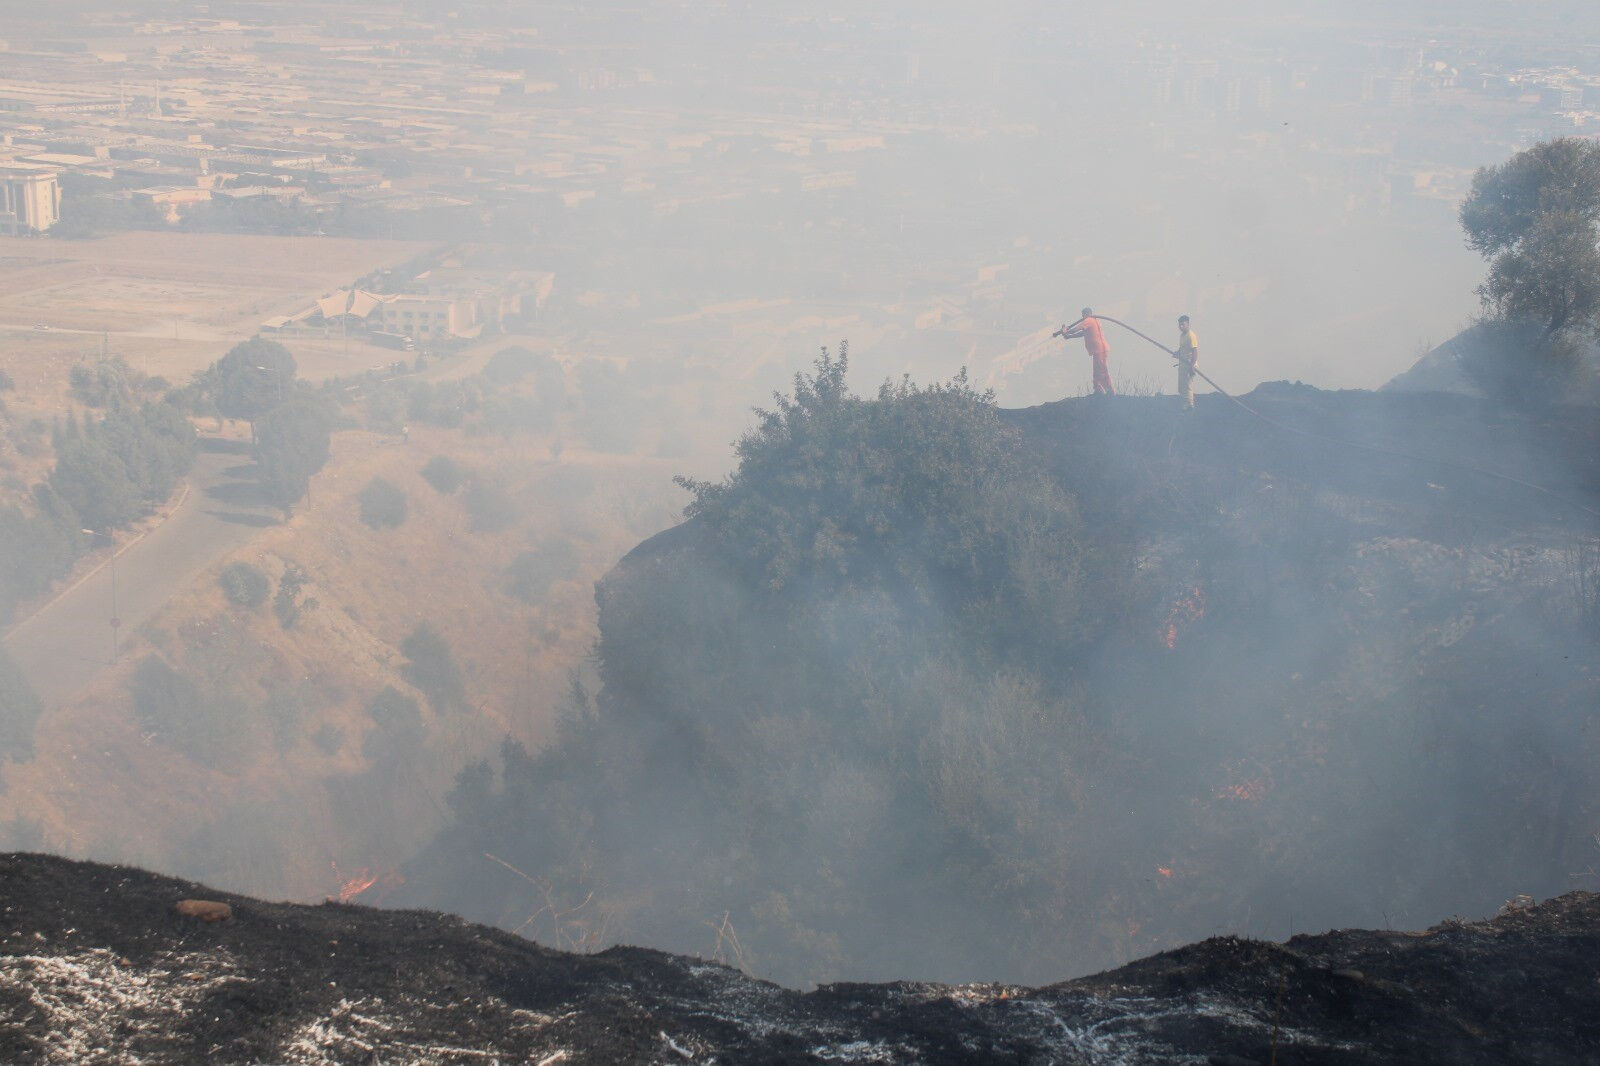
{"type": "Point", "coordinates": [1188, 359]}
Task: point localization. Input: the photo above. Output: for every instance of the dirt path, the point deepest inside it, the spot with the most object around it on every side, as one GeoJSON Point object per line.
{"type": "Point", "coordinates": [69, 642]}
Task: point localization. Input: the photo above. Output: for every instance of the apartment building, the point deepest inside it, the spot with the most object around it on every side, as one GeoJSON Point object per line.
{"type": "Point", "coordinates": [30, 199]}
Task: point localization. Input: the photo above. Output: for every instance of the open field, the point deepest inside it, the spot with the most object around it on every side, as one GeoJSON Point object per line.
{"type": "Point", "coordinates": [170, 303]}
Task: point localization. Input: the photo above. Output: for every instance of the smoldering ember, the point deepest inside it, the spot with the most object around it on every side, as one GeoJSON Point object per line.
{"type": "Point", "coordinates": [1152, 616]}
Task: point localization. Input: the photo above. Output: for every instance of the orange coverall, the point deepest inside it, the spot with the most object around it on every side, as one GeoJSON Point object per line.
{"type": "Point", "coordinates": [1094, 339]}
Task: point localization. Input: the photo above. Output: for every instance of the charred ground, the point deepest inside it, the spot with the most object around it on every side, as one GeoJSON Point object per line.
{"type": "Point", "coordinates": [95, 965]}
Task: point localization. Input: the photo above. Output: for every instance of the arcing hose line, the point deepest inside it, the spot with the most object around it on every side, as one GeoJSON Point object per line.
{"type": "Point", "coordinates": [1456, 464]}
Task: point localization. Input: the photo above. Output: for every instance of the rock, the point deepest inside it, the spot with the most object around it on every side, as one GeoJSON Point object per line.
{"type": "Point", "coordinates": [1230, 1060]}
{"type": "Point", "coordinates": [206, 910]}
{"type": "Point", "coordinates": [1350, 975]}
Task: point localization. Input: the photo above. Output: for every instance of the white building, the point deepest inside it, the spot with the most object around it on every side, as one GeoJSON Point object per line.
{"type": "Point", "coordinates": [30, 199]}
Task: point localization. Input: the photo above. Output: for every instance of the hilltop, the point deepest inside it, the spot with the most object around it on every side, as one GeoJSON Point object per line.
{"type": "Point", "coordinates": [96, 964]}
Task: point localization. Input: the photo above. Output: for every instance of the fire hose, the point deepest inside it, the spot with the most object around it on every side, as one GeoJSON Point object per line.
{"type": "Point", "coordinates": [1296, 430]}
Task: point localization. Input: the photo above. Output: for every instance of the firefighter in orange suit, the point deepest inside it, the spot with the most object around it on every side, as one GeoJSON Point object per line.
{"type": "Point", "coordinates": [1094, 339]}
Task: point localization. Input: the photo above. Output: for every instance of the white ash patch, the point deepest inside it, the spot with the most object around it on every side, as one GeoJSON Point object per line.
{"type": "Point", "coordinates": [968, 995]}
{"type": "Point", "coordinates": [1126, 1031]}
{"type": "Point", "coordinates": [93, 1006]}
{"type": "Point", "coordinates": [754, 1007]}
{"type": "Point", "coordinates": [857, 1051]}
{"type": "Point", "coordinates": [383, 1030]}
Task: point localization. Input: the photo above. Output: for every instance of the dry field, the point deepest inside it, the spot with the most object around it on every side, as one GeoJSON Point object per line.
{"type": "Point", "coordinates": [170, 303]}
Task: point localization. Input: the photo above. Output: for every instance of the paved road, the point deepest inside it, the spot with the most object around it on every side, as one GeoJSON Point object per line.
{"type": "Point", "coordinates": [68, 643]}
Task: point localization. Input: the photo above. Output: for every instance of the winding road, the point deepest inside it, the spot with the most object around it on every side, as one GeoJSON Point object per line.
{"type": "Point", "coordinates": [68, 643]}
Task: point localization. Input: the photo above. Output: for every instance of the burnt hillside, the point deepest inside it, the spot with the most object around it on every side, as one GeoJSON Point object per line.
{"type": "Point", "coordinates": [96, 965]}
{"type": "Point", "coordinates": [1424, 464]}
{"type": "Point", "coordinates": [928, 689]}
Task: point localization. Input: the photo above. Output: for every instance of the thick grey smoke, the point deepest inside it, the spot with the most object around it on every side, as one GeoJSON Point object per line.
{"type": "Point", "coordinates": [717, 190]}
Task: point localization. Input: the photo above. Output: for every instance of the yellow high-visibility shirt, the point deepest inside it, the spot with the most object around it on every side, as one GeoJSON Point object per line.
{"type": "Point", "coordinates": [1188, 346]}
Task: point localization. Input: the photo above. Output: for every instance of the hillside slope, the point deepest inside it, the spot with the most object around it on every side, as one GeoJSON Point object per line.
{"type": "Point", "coordinates": [930, 689]}
{"type": "Point", "coordinates": [96, 965]}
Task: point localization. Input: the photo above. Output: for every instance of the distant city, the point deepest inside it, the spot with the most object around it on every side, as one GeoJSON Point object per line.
{"type": "Point", "coordinates": [789, 169]}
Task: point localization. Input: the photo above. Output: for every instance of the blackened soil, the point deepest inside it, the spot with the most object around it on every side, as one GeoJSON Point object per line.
{"type": "Point", "coordinates": [97, 966]}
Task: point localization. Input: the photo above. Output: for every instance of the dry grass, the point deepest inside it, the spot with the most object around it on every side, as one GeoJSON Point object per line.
{"type": "Point", "coordinates": [98, 788]}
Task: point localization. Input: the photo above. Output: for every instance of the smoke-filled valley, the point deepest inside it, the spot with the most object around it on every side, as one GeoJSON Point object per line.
{"type": "Point", "coordinates": [371, 538]}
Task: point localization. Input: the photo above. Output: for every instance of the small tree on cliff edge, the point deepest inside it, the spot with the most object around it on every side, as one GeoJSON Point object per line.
{"type": "Point", "coordinates": [1536, 218]}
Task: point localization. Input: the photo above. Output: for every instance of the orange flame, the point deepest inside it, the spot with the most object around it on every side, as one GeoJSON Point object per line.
{"type": "Point", "coordinates": [1164, 871]}
{"type": "Point", "coordinates": [1247, 783]}
{"type": "Point", "coordinates": [1249, 791]}
{"type": "Point", "coordinates": [356, 885]}
{"type": "Point", "coordinates": [351, 887]}
{"type": "Point", "coordinates": [1188, 608]}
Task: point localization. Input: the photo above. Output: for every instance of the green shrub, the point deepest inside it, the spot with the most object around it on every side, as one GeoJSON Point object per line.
{"type": "Point", "coordinates": [19, 710]}
{"type": "Point", "coordinates": [385, 404]}
{"type": "Point", "coordinates": [244, 585]}
{"type": "Point", "coordinates": [383, 504]}
{"type": "Point", "coordinates": [488, 507]}
{"type": "Point", "coordinates": [328, 739]}
{"type": "Point", "coordinates": [443, 473]}
{"type": "Point", "coordinates": [531, 573]}
{"type": "Point", "coordinates": [286, 604]}
{"type": "Point", "coordinates": [510, 365]}
{"type": "Point", "coordinates": [99, 384]}
{"type": "Point", "coordinates": [432, 669]}
{"type": "Point", "coordinates": [206, 727]}
{"type": "Point", "coordinates": [283, 710]}
{"type": "Point", "coordinates": [397, 725]}
{"type": "Point", "coordinates": [443, 404]}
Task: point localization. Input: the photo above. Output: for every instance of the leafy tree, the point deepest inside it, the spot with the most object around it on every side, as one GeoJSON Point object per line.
{"type": "Point", "coordinates": [109, 470]}
{"type": "Point", "coordinates": [155, 443]}
{"type": "Point", "coordinates": [255, 377]}
{"type": "Point", "coordinates": [383, 503]}
{"type": "Point", "coordinates": [1559, 177]}
{"type": "Point", "coordinates": [293, 445]}
{"type": "Point", "coordinates": [1536, 218]}
{"type": "Point", "coordinates": [91, 478]}
{"type": "Point", "coordinates": [1550, 276]}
